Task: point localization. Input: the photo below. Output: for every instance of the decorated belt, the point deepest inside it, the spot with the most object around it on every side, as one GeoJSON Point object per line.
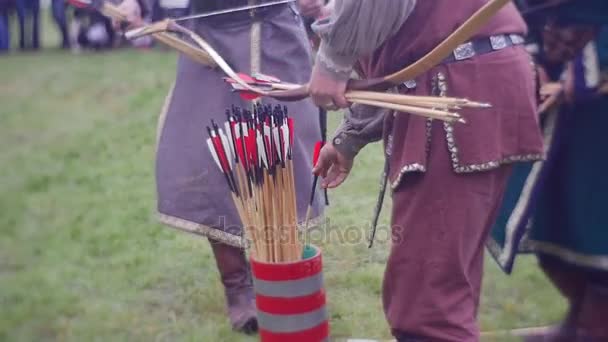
{"type": "Point", "coordinates": [478, 47]}
{"type": "Point", "coordinates": [483, 46]}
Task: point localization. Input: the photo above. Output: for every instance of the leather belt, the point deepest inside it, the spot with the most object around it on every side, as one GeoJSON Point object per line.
{"type": "Point", "coordinates": [482, 46]}
{"type": "Point", "coordinates": [477, 47]}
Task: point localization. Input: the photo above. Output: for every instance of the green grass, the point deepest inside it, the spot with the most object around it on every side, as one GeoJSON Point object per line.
{"type": "Point", "coordinates": [81, 256]}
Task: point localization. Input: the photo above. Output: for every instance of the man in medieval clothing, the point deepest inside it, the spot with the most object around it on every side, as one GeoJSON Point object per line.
{"type": "Point", "coordinates": [192, 194]}
{"type": "Point", "coordinates": [556, 208]}
{"type": "Point", "coordinates": [447, 180]}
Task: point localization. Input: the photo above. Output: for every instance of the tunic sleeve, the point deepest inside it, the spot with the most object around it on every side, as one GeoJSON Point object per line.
{"type": "Point", "coordinates": [355, 28]}
{"type": "Point", "coordinates": [361, 125]}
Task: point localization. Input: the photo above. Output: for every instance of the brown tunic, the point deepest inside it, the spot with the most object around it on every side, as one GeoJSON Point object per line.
{"type": "Point", "coordinates": [447, 180]}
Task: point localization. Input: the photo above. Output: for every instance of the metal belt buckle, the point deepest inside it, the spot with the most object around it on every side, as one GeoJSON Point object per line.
{"type": "Point", "coordinates": [517, 39]}
{"type": "Point", "coordinates": [464, 51]}
{"type": "Point", "coordinates": [499, 42]}
{"type": "Point", "coordinates": [410, 84]}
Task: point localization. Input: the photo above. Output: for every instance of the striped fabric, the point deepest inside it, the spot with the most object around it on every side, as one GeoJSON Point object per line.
{"type": "Point", "coordinates": [290, 299]}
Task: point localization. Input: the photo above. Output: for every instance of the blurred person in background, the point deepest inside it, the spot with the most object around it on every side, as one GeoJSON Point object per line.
{"type": "Point", "coordinates": [59, 15]}
{"type": "Point", "coordinates": [192, 195]}
{"type": "Point", "coordinates": [90, 30]}
{"type": "Point", "coordinates": [5, 32]}
{"type": "Point", "coordinates": [561, 202]}
{"type": "Point", "coordinates": [28, 13]}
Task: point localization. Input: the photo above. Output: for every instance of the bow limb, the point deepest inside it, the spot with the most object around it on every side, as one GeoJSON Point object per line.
{"type": "Point", "coordinates": [215, 56]}
{"type": "Point", "coordinates": [438, 54]}
{"type": "Point", "coordinates": [445, 48]}
{"type": "Point", "coordinates": [186, 48]}
{"type": "Point", "coordinates": [208, 56]}
{"type": "Point", "coordinates": [285, 92]}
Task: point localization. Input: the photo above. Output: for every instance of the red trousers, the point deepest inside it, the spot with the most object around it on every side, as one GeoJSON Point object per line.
{"type": "Point", "coordinates": [440, 222]}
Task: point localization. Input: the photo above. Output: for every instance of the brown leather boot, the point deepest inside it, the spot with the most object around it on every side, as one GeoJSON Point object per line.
{"type": "Point", "coordinates": [238, 287]}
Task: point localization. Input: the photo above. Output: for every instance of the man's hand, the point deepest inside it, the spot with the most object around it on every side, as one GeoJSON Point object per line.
{"type": "Point", "coordinates": [311, 8]}
{"type": "Point", "coordinates": [332, 166]}
{"type": "Point", "coordinates": [326, 91]}
{"type": "Point", "coordinates": [132, 11]}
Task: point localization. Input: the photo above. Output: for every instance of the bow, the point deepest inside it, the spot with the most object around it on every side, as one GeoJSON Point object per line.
{"type": "Point", "coordinates": [185, 47]}
{"type": "Point", "coordinates": [296, 92]}
{"type": "Point", "coordinates": [204, 53]}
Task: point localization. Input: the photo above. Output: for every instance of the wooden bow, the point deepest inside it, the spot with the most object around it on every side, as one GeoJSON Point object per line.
{"type": "Point", "coordinates": [296, 92]}
{"type": "Point", "coordinates": [185, 47]}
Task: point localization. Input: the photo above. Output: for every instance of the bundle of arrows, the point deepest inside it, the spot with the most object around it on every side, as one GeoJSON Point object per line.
{"type": "Point", "coordinates": [254, 152]}
{"type": "Point", "coordinates": [434, 107]}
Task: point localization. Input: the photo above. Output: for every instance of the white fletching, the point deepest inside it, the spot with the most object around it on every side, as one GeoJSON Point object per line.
{"type": "Point", "coordinates": [227, 125]}
{"type": "Point", "coordinates": [277, 141]}
{"type": "Point", "coordinates": [213, 153]}
{"type": "Point", "coordinates": [285, 129]}
{"type": "Point", "coordinates": [261, 153]}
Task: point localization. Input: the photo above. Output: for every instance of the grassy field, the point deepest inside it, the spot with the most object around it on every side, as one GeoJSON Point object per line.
{"type": "Point", "coordinates": [81, 256]}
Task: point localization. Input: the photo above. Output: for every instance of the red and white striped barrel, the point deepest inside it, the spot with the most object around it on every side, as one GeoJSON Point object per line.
{"type": "Point", "coordinates": [290, 299]}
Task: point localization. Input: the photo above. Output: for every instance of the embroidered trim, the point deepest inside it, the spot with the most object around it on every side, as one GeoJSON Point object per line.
{"type": "Point", "coordinates": [389, 145]}
{"type": "Point", "coordinates": [220, 235]}
{"type": "Point", "coordinates": [429, 128]}
{"type": "Point", "coordinates": [595, 261]}
{"type": "Point", "coordinates": [407, 168]}
{"type": "Point", "coordinates": [429, 121]}
{"type": "Point", "coordinates": [453, 148]}
{"type": "Point", "coordinates": [440, 88]}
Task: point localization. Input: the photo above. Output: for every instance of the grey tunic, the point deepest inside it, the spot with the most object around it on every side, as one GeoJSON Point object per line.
{"type": "Point", "coordinates": [355, 29]}
{"type": "Point", "coordinates": [192, 193]}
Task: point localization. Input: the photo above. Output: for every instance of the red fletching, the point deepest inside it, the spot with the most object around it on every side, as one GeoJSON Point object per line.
{"type": "Point", "coordinates": [249, 96]}
{"type": "Point", "coordinates": [217, 142]}
{"type": "Point", "coordinates": [316, 153]}
{"type": "Point", "coordinates": [252, 151]}
{"type": "Point", "coordinates": [241, 153]}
